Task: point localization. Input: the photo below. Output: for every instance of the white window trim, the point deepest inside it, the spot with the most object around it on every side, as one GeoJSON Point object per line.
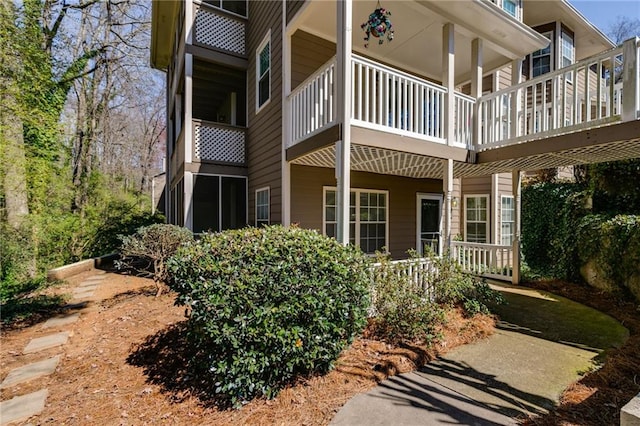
{"type": "Point", "coordinates": [552, 61]}
{"type": "Point", "coordinates": [502, 221]}
{"type": "Point", "coordinates": [268, 189]}
{"type": "Point", "coordinates": [357, 207]}
{"type": "Point", "coordinates": [266, 40]}
{"type": "Point", "coordinates": [563, 33]}
{"type": "Point", "coordinates": [518, 3]}
{"type": "Point", "coordinates": [487, 221]}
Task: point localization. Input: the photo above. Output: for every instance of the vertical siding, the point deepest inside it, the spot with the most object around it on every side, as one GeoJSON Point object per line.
{"type": "Point", "coordinates": [307, 192]}
{"type": "Point", "coordinates": [308, 53]}
{"type": "Point", "coordinates": [264, 134]}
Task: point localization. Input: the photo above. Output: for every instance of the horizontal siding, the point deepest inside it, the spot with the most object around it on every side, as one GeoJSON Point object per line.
{"type": "Point", "coordinates": [307, 192]}
{"type": "Point", "coordinates": [264, 135]}
{"type": "Point", "coordinates": [308, 53]}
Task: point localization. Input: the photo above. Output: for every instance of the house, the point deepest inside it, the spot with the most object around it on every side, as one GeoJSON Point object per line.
{"type": "Point", "coordinates": [279, 112]}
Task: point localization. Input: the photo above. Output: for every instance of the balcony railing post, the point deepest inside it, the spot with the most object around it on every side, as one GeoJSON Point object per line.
{"type": "Point", "coordinates": [630, 80]}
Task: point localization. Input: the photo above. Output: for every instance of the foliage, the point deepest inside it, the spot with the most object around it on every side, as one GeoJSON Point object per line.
{"type": "Point", "coordinates": [268, 305]}
{"type": "Point", "coordinates": [402, 309]}
{"type": "Point", "coordinates": [148, 250]}
{"type": "Point", "coordinates": [455, 287]}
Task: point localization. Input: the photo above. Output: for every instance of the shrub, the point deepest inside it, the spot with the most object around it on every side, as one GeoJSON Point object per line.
{"type": "Point", "coordinates": [148, 250]}
{"type": "Point", "coordinates": [402, 310]}
{"type": "Point", "coordinates": [267, 305]}
{"type": "Point", "coordinates": [455, 287]}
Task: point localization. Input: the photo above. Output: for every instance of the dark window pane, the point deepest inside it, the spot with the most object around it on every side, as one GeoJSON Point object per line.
{"type": "Point", "coordinates": [263, 89]}
{"type": "Point", "coordinates": [234, 203]}
{"type": "Point", "coordinates": [205, 203]}
{"type": "Point", "coordinates": [235, 6]}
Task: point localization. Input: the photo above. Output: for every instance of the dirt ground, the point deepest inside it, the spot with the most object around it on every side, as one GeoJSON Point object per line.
{"type": "Point", "coordinates": [124, 364]}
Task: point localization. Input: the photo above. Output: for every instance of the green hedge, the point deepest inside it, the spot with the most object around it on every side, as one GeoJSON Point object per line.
{"type": "Point", "coordinates": [267, 305]}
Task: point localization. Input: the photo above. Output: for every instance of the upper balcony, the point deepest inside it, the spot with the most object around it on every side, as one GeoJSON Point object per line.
{"type": "Point", "coordinates": [592, 93]}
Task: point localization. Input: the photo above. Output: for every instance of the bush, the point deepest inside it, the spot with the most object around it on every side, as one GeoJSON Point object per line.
{"type": "Point", "coordinates": [267, 305]}
{"type": "Point", "coordinates": [148, 250]}
{"type": "Point", "coordinates": [402, 310]}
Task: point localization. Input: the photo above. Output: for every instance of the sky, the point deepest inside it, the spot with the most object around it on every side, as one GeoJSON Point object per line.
{"type": "Point", "coordinates": [603, 13]}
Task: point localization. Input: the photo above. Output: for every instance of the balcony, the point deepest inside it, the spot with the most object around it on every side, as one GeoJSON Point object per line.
{"type": "Point", "coordinates": [383, 99]}
{"type": "Point", "coordinates": [218, 143]}
{"type": "Point", "coordinates": [594, 92]}
{"type": "Point", "coordinates": [216, 28]}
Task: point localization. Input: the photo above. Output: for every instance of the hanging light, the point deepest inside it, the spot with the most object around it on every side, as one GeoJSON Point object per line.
{"type": "Point", "coordinates": [378, 25]}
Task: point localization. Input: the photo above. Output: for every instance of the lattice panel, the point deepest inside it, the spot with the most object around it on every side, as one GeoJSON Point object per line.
{"type": "Point", "coordinates": [219, 144]}
{"type": "Point", "coordinates": [219, 32]}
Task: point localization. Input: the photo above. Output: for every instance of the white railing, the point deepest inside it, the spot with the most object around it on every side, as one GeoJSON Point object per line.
{"type": "Point", "coordinates": [493, 261]}
{"type": "Point", "coordinates": [390, 100]}
{"type": "Point", "coordinates": [463, 125]}
{"type": "Point", "coordinates": [580, 96]}
{"type": "Point", "coordinates": [421, 272]}
{"type": "Point", "coordinates": [218, 142]}
{"type": "Point", "coordinates": [313, 103]}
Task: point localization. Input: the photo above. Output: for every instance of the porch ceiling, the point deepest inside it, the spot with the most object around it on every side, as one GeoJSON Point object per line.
{"type": "Point", "coordinates": [417, 45]}
{"type": "Point", "coordinates": [586, 147]}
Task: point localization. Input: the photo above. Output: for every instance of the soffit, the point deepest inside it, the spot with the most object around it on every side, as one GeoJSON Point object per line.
{"type": "Point", "coordinates": [163, 24]}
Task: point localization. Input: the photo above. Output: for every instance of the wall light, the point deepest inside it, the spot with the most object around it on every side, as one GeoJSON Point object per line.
{"type": "Point", "coordinates": [454, 202]}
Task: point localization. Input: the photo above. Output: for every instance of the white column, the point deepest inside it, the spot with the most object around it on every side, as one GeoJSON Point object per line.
{"type": "Point", "coordinates": [188, 107]}
{"type": "Point", "coordinates": [516, 99]}
{"type": "Point", "coordinates": [447, 187]}
{"type": "Point", "coordinates": [476, 87]}
{"type": "Point", "coordinates": [188, 200]}
{"type": "Point", "coordinates": [286, 119]}
{"type": "Point", "coordinates": [343, 147]}
{"type": "Point", "coordinates": [516, 180]}
{"type": "Point", "coordinates": [448, 79]}
{"type": "Point", "coordinates": [630, 80]}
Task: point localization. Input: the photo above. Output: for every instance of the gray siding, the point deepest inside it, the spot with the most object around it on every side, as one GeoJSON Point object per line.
{"type": "Point", "coordinates": [265, 128]}
{"type": "Point", "coordinates": [308, 53]}
{"type": "Point", "coordinates": [307, 192]}
{"type": "Point", "coordinates": [293, 6]}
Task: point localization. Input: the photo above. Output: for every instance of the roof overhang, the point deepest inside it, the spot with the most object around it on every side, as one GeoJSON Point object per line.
{"type": "Point", "coordinates": [588, 39]}
{"type": "Point", "coordinates": [163, 24]}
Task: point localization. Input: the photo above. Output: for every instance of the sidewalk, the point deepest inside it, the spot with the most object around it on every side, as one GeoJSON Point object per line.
{"type": "Point", "coordinates": [543, 343]}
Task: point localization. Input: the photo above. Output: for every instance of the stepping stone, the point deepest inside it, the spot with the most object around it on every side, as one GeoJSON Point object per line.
{"type": "Point", "coordinates": [23, 407]}
{"type": "Point", "coordinates": [85, 286]}
{"type": "Point", "coordinates": [79, 305]}
{"type": "Point", "coordinates": [60, 321]}
{"type": "Point", "coordinates": [30, 371]}
{"type": "Point", "coordinates": [82, 294]}
{"type": "Point", "coordinates": [46, 342]}
{"type": "Point", "coordinates": [96, 278]}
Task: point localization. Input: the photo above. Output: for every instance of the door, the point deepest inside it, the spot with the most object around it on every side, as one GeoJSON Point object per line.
{"type": "Point", "coordinates": [429, 219]}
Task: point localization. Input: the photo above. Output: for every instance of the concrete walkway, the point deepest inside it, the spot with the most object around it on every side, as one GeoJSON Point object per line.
{"type": "Point", "coordinates": [543, 343]}
{"type": "Point", "coordinates": [23, 407]}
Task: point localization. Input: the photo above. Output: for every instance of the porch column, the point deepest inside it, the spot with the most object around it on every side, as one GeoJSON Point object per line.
{"type": "Point", "coordinates": [286, 119]}
{"type": "Point", "coordinates": [476, 87]}
{"type": "Point", "coordinates": [516, 100]}
{"type": "Point", "coordinates": [631, 79]}
{"type": "Point", "coordinates": [516, 180]}
{"type": "Point", "coordinates": [448, 80]}
{"type": "Point", "coordinates": [447, 186]}
{"type": "Point", "coordinates": [188, 139]}
{"type": "Point", "coordinates": [343, 147]}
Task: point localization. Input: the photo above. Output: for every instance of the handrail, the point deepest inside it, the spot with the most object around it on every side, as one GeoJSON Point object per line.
{"type": "Point", "coordinates": [321, 69]}
{"type": "Point", "coordinates": [365, 61]}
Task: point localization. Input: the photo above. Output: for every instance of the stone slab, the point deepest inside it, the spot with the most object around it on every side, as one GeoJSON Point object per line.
{"type": "Point", "coordinates": [85, 288]}
{"type": "Point", "coordinates": [61, 320]}
{"type": "Point", "coordinates": [30, 372]}
{"type": "Point", "coordinates": [88, 284]}
{"type": "Point", "coordinates": [82, 294]}
{"type": "Point", "coordinates": [96, 278]}
{"type": "Point", "coordinates": [22, 407]}
{"type": "Point", "coordinates": [46, 342]}
{"type": "Point", "coordinates": [630, 413]}
{"type": "Point", "coordinates": [67, 271]}
{"type": "Point", "coordinates": [79, 305]}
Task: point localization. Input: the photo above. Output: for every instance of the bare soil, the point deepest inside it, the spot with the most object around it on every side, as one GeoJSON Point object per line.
{"type": "Point", "coordinates": [124, 364]}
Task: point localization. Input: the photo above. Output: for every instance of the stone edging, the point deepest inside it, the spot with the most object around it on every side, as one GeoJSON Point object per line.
{"type": "Point", "coordinates": [67, 271]}
{"type": "Point", "coordinates": [630, 413]}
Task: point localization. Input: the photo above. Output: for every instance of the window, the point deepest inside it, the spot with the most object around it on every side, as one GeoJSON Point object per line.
{"type": "Point", "coordinates": [476, 218]}
{"type": "Point", "coordinates": [568, 53]}
{"type": "Point", "coordinates": [511, 7]}
{"type": "Point", "coordinates": [262, 207]}
{"type": "Point", "coordinates": [219, 203]}
{"type": "Point", "coordinates": [263, 72]}
{"type": "Point", "coordinates": [507, 220]}
{"type": "Point", "coordinates": [239, 7]}
{"type": "Point", "coordinates": [541, 59]}
{"type": "Point", "coordinates": [368, 218]}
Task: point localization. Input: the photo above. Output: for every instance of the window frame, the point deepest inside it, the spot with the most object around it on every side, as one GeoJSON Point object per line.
{"type": "Point", "coordinates": [220, 195]}
{"type": "Point", "coordinates": [512, 222]}
{"type": "Point", "coordinates": [266, 41]}
{"type": "Point", "coordinates": [261, 221]}
{"type": "Point", "coordinates": [549, 36]}
{"type": "Point", "coordinates": [356, 237]}
{"type": "Point", "coordinates": [565, 35]}
{"type": "Point", "coordinates": [487, 220]}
